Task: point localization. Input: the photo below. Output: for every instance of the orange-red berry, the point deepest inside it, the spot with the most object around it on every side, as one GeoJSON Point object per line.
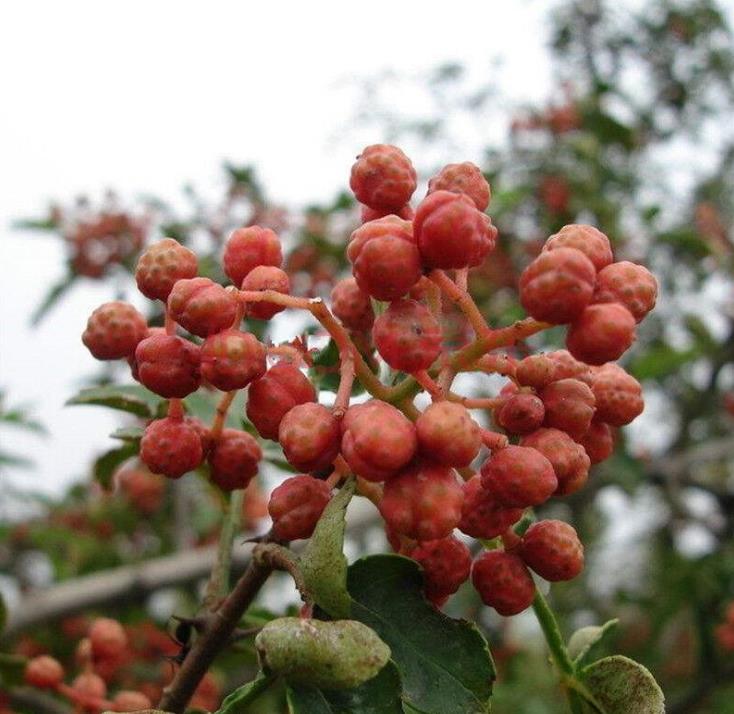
{"type": "Point", "coordinates": [249, 247]}
{"type": "Point", "coordinates": [631, 285]}
{"type": "Point", "coordinates": [602, 333]}
{"type": "Point", "coordinates": [352, 305]}
{"type": "Point", "coordinates": [503, 582]}
{"type": "Point", "coordinates": [553, 550]}
{"type": "Point", "coordinates": [570, 461]}
{"type": "Point", "coordinates": [309, 435]}
{"type": "Point", "coordinates": [446, 565]}
{"type": "Point", "coordinates": [482, 516]}
{"type": "Point", "coordinates": [598, 442]}
{"type": "Point", "coordinates": [231, 359]}
{"type": "Point", "coordinates": [168, 365]}
{"type": "Point", "coordinates": [129, 701]}
{"type": "Point", "coordinates": [44, 672]}
{"type": "Point", "coordinates": [202, 306]}
{"type": "Point", "coordinates": [448, 435]}
{"type": "Point", "coordinates": [518, 477]}
{"type": "Point", "coordinates": [266, 277]}
{"type": "Point", "coordinates": [618, 395]}
{"type": "Point", "coordinates": [171, 447]}
{"type": "Point", "coordinates": [383, 178]}
{"type": "Point", "coordinates": [114, 331]}
{"type": "Point", "coordinates": [521, 413]}
{"type": "Point", "coordinates": [161, 265]}
{"type": "Point", "coordinates": [466, 178]}
{"type": "Point", "coordinates": [296, 506]}
{"type": "Point", "coordinates": [589, 240]}
{"type": "Point", "coordinates": [569, 406]}
{"type": "Point", "coordinates": [557, 285]}
{"type": "Point", "coordinates": [234, 459]}
{"type": "Point", "coordinates": [107, 638]}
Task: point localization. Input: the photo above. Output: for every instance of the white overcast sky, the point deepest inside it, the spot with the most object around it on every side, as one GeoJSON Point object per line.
{"type": "Point", "coordinates": [142, 96]}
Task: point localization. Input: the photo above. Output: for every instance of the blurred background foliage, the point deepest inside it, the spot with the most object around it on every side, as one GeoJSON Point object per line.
{"type": "Point", "coordinates": [636, 139]}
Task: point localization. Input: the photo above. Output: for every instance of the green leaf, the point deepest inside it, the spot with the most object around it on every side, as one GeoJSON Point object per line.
{"type": "Point", "coordinates": [660, 361]}
{"type": "Point", "coordinates": [584, 642]}
{"type": "Point", "coordinates": [622, 686]}
{"type": "Point", "coordinates": [53, 295]}
{"type": "Point", "coordinates": [328, 356]}
{"type": "Point", "coordinates": [445, 664]}
{"type": "Point", "coordinates": [130, 398]}
{"type": "Point", "coordinates": [245, 694]}
{"type": "Point", "coordinates": [128, 433]}
{"type": "Point", "coordinates": [323, 564]}
{"type": "Point", "coordinates": [203, 405]}
{"type": "Point", "coordinates": [12, 668]}
{"type": "Point", "coordinates": [106, 465]}
{"type": "Point", "coordinates": [379, 695]}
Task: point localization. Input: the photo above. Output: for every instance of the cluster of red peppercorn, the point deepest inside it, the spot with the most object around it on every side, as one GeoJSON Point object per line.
{"type": "Point", "coordinates": [106, 643]}
{"type": "Point", "coordinates": [557, 409]}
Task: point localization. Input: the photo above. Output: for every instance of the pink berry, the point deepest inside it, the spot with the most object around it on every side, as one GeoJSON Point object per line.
{"type": "Point", "coordinates": [553, 550]}
{"type": "Point", "coordinates": [107, 638]}
{"type": "Point", "coordinates": [569, 460]}
{"type": "Point", "coordinates": [129, 701]}
{"type": "Point", "coordinates": [352, 306]}
{"type": "Point", "coordinates": [598, 442]}
{"type": "Point", "coordinates": [557, 285]}
{"type": "Point", "coordinates": [234, 459]}
{"type": "Point", "coordinates": [296, 506]}
{"type": "Point", "coordinates": [466, 178]}
{"type": "Point", "coordinates": [451, 232]}
{"type": "Point", "coordinates": [266, 277]}
{"type": "Point", "coordinates": [519, 477]}
{"type": "Point", "coordinates": [272, 396]}
{"type": "Point", "coordinates": [618, 395]}
{"type": "Point", "coordinates": [569, 406]}
{"type": "Point", "coordinates": [521, 413]}
{"type": "Point", "coordinates": [171, 447]}
{"type": "Point", "coordinates": [448, 435]}
{"type": "Point", "coordinates": [383, 178]}
{"type": "Point", "coordinates": [535, 371]}
{"type": "Point", "coordinates": [503, 582]}
{"type": "Point", "coordinates": [249, 247]}
{"type": "Point", "coordinates": [168, 365]}
{"type": "Point", "coordinates": [44, 672]}
{"type": "Point", "coordinates": [422, 502]}
{"type": "Point", "coordinates": [378, 440]}
{"type": "Point", "coordinates": [589, 240]}
{"type": "Point", "coordinates": [231, 359]}
{"type": "Point", "coordinates": [631, 285]}
{"type": "Point", "coordinates": [114, 331]}
{"type": "Point", "coordinates": [407, 336]}
{"type": "Point", "coordinates": [368, 214]}
{"type": "Point", "coordinates": [482, 516]}
{"type": "Point", "coordinates": [163, 264]}
{"type": "Point", "coordinates": [601, 334]}
{"type": "Point", "coordinates": [309, 435]}
{"type": "Point", "coordinates": [385, 258]}
{"type": "Point", "coordinates": [446, 565]}
{"type": "Point", "coordinates": [202, 306]}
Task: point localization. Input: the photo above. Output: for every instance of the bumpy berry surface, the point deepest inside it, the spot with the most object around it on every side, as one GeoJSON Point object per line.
{"type": "Point", "coordinates": [557, 285]}
{"type": "Point", "coordinates": [519, 477]}
{"type": "Point", "coordinates": [569, 406]}
{"type": "Point", "coordinates": [521, 413]}
{"type": "Point", "coordinates": [423, 502]}
{"type": "Point", "coordinates": [535, 371]}
{"type": "Point", "coordinates": [168, 365]}
{"type": "Point", "coordinates": [503, 582]}
{"type": "Point", "coordinates": [598, 442]}
{"type": "Point", "coordinates": [296, 506]}
{"type": "Point", "coordinates": [383, 178]}
{"type": "Point", "coordinates": [553, 550]}
{"type": "Point", "coordinates": [202, 306]}
{"type": "Point", "coordinates": [352, 306]}
{"type": "Point", "coordinates": [378, 440]}
{"type": "Point", "coordinates": [203, 431]}
{"type": "Point", "coordinates": [232, 359]}
{"type": "Point", "coordinates": [266, 277]}
{"type": "Point", "coordinates": [567, 366]}
{"type": "Point", "coordinates": [107, 638]}
{"type": "Point", "coordinates": [448, 435]}
{"type": "Point", "coordinates": [631, 285]}
{"type": "Point", "coordinates": [141, 487]}
{"type": "Point", "coordinates": [446, 565]}
{"type": "Point", "coordinates": [482, 516]}
{"type": "Point", "coordinates": [309, 434]}
{"type": "Point", "coordinates": [129, 701]}
{"type": "Point", "coordinates": [385, 258]}
{"type": "Point", "coordinates": [114, 331]}
{"type": "Point", "coordinates": [601, 334]}
{"type": "Point", "coordinates": [407, 336]}
{"type": "Point", "coordinates": [89, 685]}
{"type": "Point", "coordinates": [466, 178]}
{"type": "Point", "coordinates": [272, 396]}
{"type": "Point", "coordinates": [618, 395]}
{"type": "Point", "coordinates": [234, 459]}
{"type": "Point", "coordinates": [570, 462]}
{"type": "Point", "coordinates": [171, 447]}
{"type": "Point", "coordinates": [370, 214]}
{"type": "Point", "coordinates": [589, 240]}
{"type": "Point", "coordinates": [249, 247]}
{"type": "Point", "coordinates": [161, 265]}
{"type": "Point", "coordinates": [451, 232]}
{"type": "Point", "coordinates": [43, 672]}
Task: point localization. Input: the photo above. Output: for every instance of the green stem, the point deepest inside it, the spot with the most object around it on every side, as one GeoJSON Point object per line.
{"type": "Point", "coordinates": [218, 585]}
{"type": "Point", "coordinates": [557, 647]}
